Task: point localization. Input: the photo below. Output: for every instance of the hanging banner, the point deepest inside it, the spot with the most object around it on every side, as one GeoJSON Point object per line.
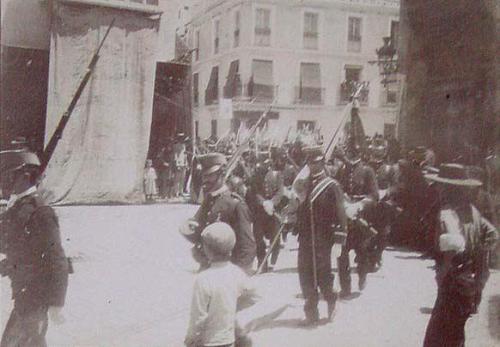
{"type": "Point", "coordinates": [101, 155]}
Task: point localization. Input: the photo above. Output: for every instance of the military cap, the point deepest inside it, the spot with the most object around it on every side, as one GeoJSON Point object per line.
{"type": "Point", "coordinates": [212, 162]}
{"type": "Point", "coordinates": [314, 154]}
{"type": "Point", "coordinates": [16, 159]}
{"type": "Point", "coordinates": [219, 237]}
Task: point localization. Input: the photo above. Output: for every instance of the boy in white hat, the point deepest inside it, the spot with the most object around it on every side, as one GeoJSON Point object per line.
{"type": "Point", "coordinates": [216, 291]}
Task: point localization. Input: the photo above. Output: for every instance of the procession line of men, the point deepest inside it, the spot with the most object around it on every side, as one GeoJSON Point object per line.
{"type": "Point", "coordinates": [308, 202]}
{"type": "Point", "coordinates": [338, 205]}
{"type": "Point", "coordinates": [279, 199]}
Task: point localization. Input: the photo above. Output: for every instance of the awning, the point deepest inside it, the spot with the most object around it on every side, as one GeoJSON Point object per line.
{"type": "Point", "coordinates": [211, 93]}
{"type": "Point", "coordinates": [230, 87]}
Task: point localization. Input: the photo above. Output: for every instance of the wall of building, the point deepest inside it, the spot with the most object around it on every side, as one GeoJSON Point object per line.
{"type": "Point", "coordinates": [287, 53]}
{"type": "Point", "coordinates": [450, 60]}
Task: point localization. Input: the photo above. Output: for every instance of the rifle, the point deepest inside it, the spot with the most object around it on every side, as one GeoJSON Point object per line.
{"type": "Point", "coordinates": [231, 165]}
{"type": "Point", "coordinates": [332, 141]}
{"type": "Point", "coordinates": [56, 136]}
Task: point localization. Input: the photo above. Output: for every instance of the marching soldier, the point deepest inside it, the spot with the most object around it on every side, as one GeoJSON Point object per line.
{"type": "Point", "coordinates": [220, 205]}
{"type": "Point", "coordinates": [360, 185]}
{"type": "Point", "coordinates": [35, 260]}
{"type": "Point", "coordinates": [321, 221]}
{"type": "Point", "coordinates": [269, 201]}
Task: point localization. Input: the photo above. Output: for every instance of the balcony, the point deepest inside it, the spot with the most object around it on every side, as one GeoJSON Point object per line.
{"type": "Point", "coordinates": [309, 96]}
{"type": "Point", "coordinates": [261, 92]}
{"type": "Point", "coordinates": [348, 88]}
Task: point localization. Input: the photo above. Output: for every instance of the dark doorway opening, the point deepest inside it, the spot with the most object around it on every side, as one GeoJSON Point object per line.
{"type": "Point", "coordinates": [23, 96]}
{"type": "Point", "coordinates": [171, 105]}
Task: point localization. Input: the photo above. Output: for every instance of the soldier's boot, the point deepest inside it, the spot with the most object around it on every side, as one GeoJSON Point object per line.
{"type": "Point", "coordinates": [311, 311]}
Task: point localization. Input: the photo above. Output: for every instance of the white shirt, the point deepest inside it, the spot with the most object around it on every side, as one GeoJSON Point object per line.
{"type": "Point", "coordinates": [213, 306]}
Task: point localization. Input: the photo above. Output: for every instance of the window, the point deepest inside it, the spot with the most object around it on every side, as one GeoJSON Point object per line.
{"type": "Point", "coordinates": [351, 84]}
{"type": "Point", "coordinates": [352, 74]}
{"type": "Point", "coordinates": [236, 38]}
{"type": "Point", "coordinates": [212, 91]}
{"type": "Point", "coordinates": [309, 90]}
{"type": "Point", "coordinates": [195, 89]}
{"type": "Point", "coordinates": [394, 33]}
{"type": "Point", "coordinates": [311, 30]}
{"type": "Point", "coordinates": [261, 83]}
{"type": "Point", "coordinates": [392, 97]}
{"type": "Point", "coordinates": [197, 129]}
{"type": "Point", "coordinates": [197, 45]}
{"type": "Point", "coordinates": [216, 36]}
{"type": "Point", "coordinates": [263, 27]}
{"type": "Point", "coordinates": [354, 34]}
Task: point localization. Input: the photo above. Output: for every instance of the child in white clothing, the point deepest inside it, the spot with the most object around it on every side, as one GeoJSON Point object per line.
{"type": "Point", "coordinates": [216, 292]}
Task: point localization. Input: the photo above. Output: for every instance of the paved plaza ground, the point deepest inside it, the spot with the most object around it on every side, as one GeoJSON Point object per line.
{"type": "Point", "coordinates": [134, 274]}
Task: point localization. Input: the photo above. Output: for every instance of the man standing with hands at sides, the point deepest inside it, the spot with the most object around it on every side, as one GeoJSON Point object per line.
{"type": "Point", "coordinates": [35, 260]}
{"type": "Point", "coordinates": [321, 222]}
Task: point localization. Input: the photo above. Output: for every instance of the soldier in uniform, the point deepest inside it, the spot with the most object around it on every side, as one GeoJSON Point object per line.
{"type": "Point", "coordinates": [220, 205]}
{"type": "Point", "coordinates": [269, 201]}
{"type": "Point", "coordinates": [320, 219]}
{"type": "Point", "coordinates": [360, 185]}
{"type": "Point", "coordinates": [35, 260]}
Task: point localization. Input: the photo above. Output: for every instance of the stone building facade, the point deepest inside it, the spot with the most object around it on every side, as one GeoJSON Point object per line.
{"type": "Point", "coordinates": [301, 55]}
{"type": "Point", "coordinates": [449, 57]}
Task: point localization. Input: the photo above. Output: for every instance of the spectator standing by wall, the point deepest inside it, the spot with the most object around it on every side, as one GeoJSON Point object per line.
{"type": "Point", "coordinates": [150, 178]}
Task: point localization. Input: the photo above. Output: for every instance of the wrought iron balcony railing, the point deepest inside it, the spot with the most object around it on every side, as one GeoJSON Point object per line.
{"type": "Point", "coordinates": [309, 95]}
{"type": "Point", "coordinates": [348, 88]}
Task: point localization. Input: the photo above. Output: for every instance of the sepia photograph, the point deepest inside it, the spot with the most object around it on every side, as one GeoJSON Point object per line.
{"type": "Point", "coordinates": [249, 173]}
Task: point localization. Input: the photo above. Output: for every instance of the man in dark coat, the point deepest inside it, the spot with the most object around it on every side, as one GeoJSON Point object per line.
{"type": "Point", "coordinates": [270, 201]}
{"type": "Point", "coordinates": [320, 218]}
{"type": "Point", "coordinates": [220, 205]}
{"type": "Point", "coordinates": [360, 184]}
{"type": "Point", "coordinates": [35, 261]}
{"type": "Point", "coordinates": [465, 239]}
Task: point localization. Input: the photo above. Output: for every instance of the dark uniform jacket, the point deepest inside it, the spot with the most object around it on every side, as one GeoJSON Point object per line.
{"type": "Point", "coordinates": [35, 260]}
{"type": "Point", "coordinates": [361, 181]}
{"type": "Point", "coordinates": [230, 208]}
{"type": "Point", "coordinates": [328, 213]}
{"type": "Point", "coordinates": [272, 188]}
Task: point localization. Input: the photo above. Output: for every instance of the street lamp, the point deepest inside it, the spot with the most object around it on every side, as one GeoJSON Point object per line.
{"type": "Point", "coordinates": [387, 61]}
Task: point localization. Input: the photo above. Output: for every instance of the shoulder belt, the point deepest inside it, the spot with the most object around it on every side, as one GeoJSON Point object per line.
{"type": "Point", "coordinates": [320, 187]}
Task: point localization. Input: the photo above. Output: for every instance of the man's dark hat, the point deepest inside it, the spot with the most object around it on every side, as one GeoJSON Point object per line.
{"type": "Point", "coordinates": [212, 162]}
{"type": "Point", "coordinates": [314, 154]}
{"type": "Point", "coordinates": [454, 174]}
{"type": "Point", "coordinates": [17, 159]}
